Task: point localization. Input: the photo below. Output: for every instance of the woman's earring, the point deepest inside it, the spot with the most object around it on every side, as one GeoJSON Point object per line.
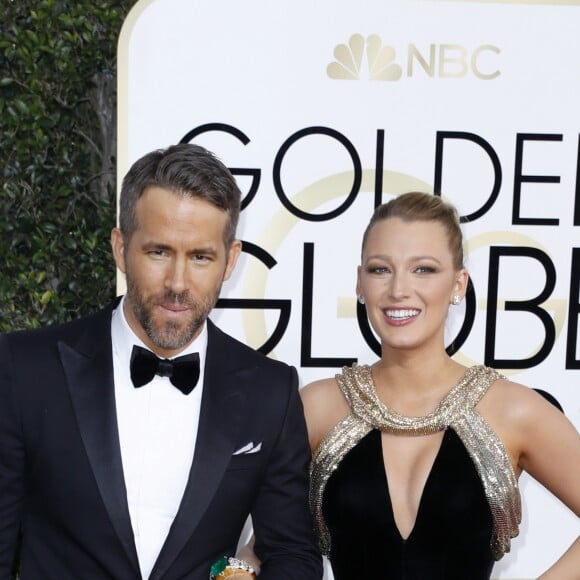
{"type": "Point", "coordinates": [456, 300]}
{"type": "Point", "coordinates": [361, 299]}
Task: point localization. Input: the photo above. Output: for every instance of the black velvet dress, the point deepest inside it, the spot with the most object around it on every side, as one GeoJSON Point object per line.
{"type": "Point", "coordinates": [451, 539]}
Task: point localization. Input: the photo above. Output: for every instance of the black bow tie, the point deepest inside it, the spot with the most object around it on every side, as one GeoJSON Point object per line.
{"type": "Point", "coordinates": [183, 371]}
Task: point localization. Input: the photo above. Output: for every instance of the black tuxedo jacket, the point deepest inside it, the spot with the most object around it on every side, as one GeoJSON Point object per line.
{"type": "Point", "coordinates": [61, 476]}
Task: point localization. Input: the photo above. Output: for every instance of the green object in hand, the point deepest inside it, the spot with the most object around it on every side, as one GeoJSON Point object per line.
{"type": "Point", "coordinates": [219, 566]}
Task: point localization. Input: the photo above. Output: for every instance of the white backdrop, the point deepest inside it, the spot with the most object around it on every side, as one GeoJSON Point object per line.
{"type": "Point", "coordinates": [324, 108]}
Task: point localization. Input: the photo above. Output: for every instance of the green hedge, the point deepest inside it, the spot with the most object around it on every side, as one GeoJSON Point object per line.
{"type": "Point", "coordinates": [57, 147]}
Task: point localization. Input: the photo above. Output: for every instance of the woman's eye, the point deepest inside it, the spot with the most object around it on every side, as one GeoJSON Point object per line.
{"type": "Point", "coordinates": [424, 269]}
{"type": "Point", "coordinates": [377, 270]}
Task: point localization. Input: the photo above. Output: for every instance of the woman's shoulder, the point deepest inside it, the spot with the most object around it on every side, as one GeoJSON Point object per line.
{"type": "Point", "coordinates": [539, 437]}
{"type": "Point", "coordinates": [519, 414]}
{"type": "Point", "coordinates": [324, 397]}
{"type": "Point", "coordinates": [322, 388]}
{"type": "Point", "coordinates": [516, 401]}
{"type": "Point", "coordinates": [324, 407]}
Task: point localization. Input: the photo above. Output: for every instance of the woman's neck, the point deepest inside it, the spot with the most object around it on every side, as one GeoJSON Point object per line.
{"type": "Point", "coordinates": [414, 385]}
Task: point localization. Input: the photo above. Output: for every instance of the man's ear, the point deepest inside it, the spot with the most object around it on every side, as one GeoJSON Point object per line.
{"type": "Point", "coordinates": [233, 254]}
{"type": "Point", "coordinates": [118, 247]}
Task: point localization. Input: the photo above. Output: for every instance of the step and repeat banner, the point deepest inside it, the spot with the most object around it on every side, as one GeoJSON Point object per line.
{"type": "Point", "coordinates": [323, 109]}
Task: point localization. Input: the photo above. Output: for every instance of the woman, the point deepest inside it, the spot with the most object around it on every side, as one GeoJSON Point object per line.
{"type": "Point", "coordinates": [416, 458]}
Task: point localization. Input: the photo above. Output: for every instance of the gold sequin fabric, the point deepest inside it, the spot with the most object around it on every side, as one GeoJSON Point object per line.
{"type": "Point", "coordinates": [456, 411]}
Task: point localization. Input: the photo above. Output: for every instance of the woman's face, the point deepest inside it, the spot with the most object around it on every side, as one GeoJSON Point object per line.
{"type": "Point", "coordinates": [408, 280]}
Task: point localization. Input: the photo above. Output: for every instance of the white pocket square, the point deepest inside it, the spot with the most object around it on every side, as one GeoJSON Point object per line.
{"type": "Point", "coordinates": [248, 448]}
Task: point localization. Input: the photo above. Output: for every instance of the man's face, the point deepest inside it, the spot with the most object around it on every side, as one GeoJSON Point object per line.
{"type": "Point", "coordinates": [175, 263]}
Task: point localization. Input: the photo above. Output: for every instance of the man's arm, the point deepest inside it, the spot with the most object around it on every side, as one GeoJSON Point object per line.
{"type": "Point", "coordinates": [285, 541]}
{"type": "Point", "coordinates": [11, 465]}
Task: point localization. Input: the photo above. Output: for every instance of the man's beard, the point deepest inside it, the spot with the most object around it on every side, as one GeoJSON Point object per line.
{"type": "Point", "coordinates": [169, 335]}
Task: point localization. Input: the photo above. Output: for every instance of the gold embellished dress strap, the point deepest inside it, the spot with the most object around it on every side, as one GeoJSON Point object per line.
{"type": "Point", "coordinates": [497, 476]}
{"type": "Point", "coordinates": [339, 441]}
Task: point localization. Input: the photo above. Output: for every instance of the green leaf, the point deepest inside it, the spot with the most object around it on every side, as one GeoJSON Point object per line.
{"type": "Point", "coordinates": [46, 297]}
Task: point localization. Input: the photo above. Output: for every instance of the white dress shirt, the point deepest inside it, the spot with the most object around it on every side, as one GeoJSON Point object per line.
{"type": "Point", "coordinates": [157, 432]}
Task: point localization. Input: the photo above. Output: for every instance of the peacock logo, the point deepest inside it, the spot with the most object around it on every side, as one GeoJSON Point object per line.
{"type": "Point", "coordinates": [349, 63]}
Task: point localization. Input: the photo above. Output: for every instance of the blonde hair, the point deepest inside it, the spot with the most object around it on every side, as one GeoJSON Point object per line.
{"type": "Point", "coordinates": [417, 206]}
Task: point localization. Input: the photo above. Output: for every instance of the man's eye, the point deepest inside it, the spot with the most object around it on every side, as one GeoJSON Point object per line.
{"type": "Point", "coordinates": [157, 253]}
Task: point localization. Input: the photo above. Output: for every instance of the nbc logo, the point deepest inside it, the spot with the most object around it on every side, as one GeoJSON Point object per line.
{"type": "Point", "coordinates": [381, 64]}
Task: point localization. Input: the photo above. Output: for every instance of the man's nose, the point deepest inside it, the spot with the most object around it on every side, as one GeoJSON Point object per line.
{"type": "Point", "coordinates": [176, 279]}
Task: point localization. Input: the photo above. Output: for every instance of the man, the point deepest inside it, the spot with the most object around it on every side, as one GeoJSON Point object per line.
{"type": "Point", "coordinates": [112, 471]}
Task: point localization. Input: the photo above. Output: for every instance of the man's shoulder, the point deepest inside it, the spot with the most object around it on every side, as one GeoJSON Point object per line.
{"type": "Point", "coordinates": [219, 339]}
{"type": "Point", "coordinates": [62, 331]}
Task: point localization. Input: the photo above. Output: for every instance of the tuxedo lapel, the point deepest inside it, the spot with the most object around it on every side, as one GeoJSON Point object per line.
{"type": "Point", "coordinates": [221, 417]}
{"type": "Point", "coordinates": [88, 367]}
